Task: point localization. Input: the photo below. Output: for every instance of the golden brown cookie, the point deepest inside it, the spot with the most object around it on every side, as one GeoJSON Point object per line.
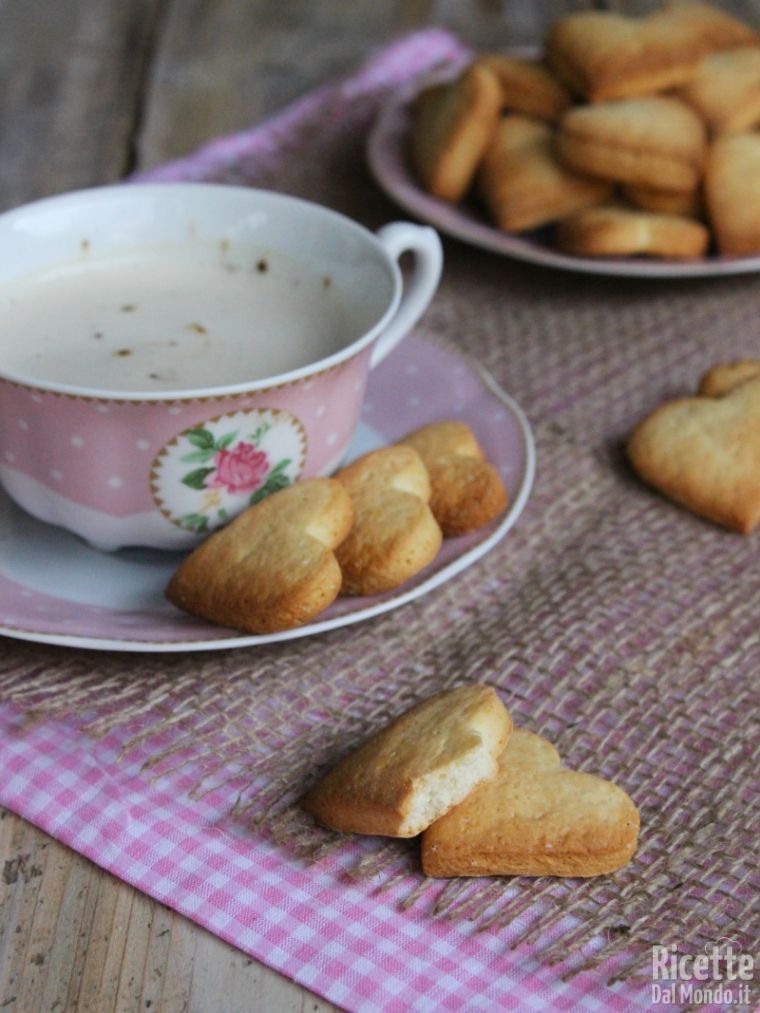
{"type": "Point", "coordinates": [452, 124]}
{"type": "Point", "coordinates": [522, 183]}
{"type": "Point", "coordinates": [467, 491]}
{"type": "Point", "coordinates": [725, 90]}
{"type": "Point", "coordinates": [612, 231]}
{"type": "Point", "coordinates": [726, 375]}
{"type": "Point", "coordinates": [704, 452]}
{"type": "Point", "coordinates": [273, 567]}
{"type": "Point", "coordinates": [534, 819]}
{"type": "Point", "coordinates": [527, 86]}
{"type": "Point", "coordinates": [655, 142]}
{"type": "Point", "coordinates": [662, 202]}
{"type": "Point", "coordinates": [732, 192]}
{"type": "Point", "coordinates": [417, 768]}
{"type": "Point", "coordinates": [603, 55]}
{"type": "Point", "coordinates": [394, 534]}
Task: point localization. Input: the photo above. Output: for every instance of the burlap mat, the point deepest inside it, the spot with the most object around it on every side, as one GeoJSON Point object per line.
{"type": "Point", "coordinates": [611, 621]}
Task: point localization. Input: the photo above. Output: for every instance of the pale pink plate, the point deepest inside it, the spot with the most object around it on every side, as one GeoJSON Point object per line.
{"type": "Point", "coordinates": [387, 156]}
{"type": "Point", "coordinates": [56, 589]}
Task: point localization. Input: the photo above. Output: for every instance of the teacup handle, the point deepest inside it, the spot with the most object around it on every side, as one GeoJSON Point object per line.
{"type": "Point", "coordinates": [423, 242]}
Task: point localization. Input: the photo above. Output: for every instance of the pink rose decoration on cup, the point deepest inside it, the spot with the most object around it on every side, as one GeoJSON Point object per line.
{"type": "Point", "coordinates": [206, 474]}
{"type": "Point", "coordinates": [240, 470]}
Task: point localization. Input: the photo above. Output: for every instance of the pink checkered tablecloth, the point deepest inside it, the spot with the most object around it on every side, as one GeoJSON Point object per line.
{"type": "Point", "coordinates": [340, 938]}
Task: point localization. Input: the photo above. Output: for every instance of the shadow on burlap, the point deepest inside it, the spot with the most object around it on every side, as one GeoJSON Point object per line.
{"type": "Point", "coordinates": [614, 623]}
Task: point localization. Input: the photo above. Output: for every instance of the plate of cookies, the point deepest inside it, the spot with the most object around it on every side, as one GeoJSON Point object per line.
{"type": "Point", "coordinates": [439, 470]}
{"type": "Point", "coordinates": [623, 146]}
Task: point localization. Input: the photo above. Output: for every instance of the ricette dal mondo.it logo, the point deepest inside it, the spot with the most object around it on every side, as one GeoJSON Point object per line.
{"type": "Point", "coordinates": [723, 974]}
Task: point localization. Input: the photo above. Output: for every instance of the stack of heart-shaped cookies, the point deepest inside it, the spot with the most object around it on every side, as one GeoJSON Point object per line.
{"type": "Point", "coordinates": [488, 799]}
{"type": "Point", "coordinates": [373, 526]}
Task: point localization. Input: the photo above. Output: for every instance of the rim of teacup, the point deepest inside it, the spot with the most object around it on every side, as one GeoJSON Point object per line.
{"type": "Point", "coordinates": [310, 370]}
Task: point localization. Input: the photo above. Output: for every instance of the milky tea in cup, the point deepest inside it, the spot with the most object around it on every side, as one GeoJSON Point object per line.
{"type": "Point", "coordinates": [173, 318]}
{"type": "Point", "coordinates": [171, 353]}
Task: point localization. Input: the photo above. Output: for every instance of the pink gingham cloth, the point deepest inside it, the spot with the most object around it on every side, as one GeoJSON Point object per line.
{"type": "Point", "coordinates": [351, 943]}
{"type": "Point", "coordinates": [339, 937]}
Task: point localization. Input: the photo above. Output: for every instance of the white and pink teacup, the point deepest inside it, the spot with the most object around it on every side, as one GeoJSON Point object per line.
{"type": "Point", "coordinates": [171, 353]}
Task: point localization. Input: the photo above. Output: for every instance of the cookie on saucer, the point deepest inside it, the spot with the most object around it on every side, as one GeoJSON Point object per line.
{"type": "Point", "coordinates": [274, 566]}
{"type": "Point", "coordinates": [466, 490]}
{"type": "Point", "coordinates": [394, 534]}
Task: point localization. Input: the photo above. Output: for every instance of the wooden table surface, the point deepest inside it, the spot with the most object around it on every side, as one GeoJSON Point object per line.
{"type": "Point", "coordinates": [92, 90]}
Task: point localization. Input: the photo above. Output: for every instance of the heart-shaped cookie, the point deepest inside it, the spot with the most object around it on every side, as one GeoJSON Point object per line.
{"type": "Point", "coordinates": [466, 490]}
{"type": "Point", "coordinates": [704, 452]}
{"type": "Point", "coordinates": [452, 124]}
{"type": "Point", "coordinates": [724, 376]}
{"type": "Point", "coordinates": [527, 86]}
{"type": "Point", "coordinates": [273, 567]}
{"type": "Point", "coordinates": [417, 768]}
{"type": "Point", "coordinates": [611, 230]}
{"type": "Point", "coordinates": [602, 54]}
{"type": "Point", "coordinates": [522, 182]}
{"type": "Point", "coordinates": [534, 819]}
{"type": "Point", "coordinates": [654, 141]}
{"type": "Point", "coordinates": [732, 192]}
{"type": "Point", "coordinates": [394, 534]}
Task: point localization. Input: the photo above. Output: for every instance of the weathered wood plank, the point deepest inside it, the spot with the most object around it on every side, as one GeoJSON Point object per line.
{"type": "Point", "coordinates": [74, 938]}
{"type": "Point", "coordinates": [72, 73]}
{"type": "Point", "coordinates": [220, 67]}
{"type": "Point", "coordinates": [492, 24]}
{"type": "Point", "coordinates": [748, 10]}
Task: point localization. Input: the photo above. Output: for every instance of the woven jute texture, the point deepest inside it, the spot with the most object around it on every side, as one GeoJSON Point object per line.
{"type": "Point", "coordinates": [611, 621]}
